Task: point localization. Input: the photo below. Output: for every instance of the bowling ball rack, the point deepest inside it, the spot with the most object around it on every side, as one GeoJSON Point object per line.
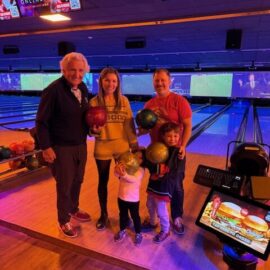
{"type": "Point", "coordinates": [32, 153]}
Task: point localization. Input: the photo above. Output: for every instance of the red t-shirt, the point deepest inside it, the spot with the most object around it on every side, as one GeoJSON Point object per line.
{"type": "Point", "coordinates": [175, 107]}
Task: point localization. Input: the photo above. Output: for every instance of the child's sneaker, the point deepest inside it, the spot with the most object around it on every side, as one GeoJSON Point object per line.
{"type": "Point", "coordinates": [138, 239]}
{"type": "Point", "coordinates": [102, 223]}
{"type": "Point", "coordinates": [178, 226]}
{"type": "Point", "coordinates": [120, 236]}
{"type": "Point", "coordinates": [68, 230]}
{"type": "Point", "coordinates": [160, 237]}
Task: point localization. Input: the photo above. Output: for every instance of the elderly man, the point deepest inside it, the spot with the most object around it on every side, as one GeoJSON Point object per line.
{"type": "Point", "coordinates": [61, 133]}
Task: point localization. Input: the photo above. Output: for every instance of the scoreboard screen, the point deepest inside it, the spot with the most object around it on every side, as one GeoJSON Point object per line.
{"type": "Point", "coordinates": [8, 10]}
{"type": "Point", "coordinates": [36, 7]}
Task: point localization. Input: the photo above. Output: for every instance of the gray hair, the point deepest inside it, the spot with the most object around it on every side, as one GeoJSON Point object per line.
{"type": "Point", "coordinates": [70, 57]}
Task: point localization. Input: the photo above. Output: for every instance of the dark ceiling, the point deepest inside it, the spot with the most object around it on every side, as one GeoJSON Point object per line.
{"type": "Point", "coordinates": [178, 34]}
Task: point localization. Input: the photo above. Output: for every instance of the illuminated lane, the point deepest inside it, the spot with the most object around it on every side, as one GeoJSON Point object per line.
{"type": "Point", "coordinates": [214, 140]}
{"type": "Point", "coordinates": [264, 119]}
{"type": "Point", "coordinates": [10, 115]}
{"type": "Point", "coordinates": [201, 115]}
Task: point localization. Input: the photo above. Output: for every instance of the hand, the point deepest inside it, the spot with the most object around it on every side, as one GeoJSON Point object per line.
{"type": "Point", "coordinates": [182, 152]}
{"type": "Point", "coordinates": [161, 112]}
{"type": "Point", "coordinates": [120, 169]}
{"type": "Point", "coordinates": [49, 155]}
{"type": "Point", "coordinates": [139, 156]}
{"type": "Point", "coordinates": [142, 131]}
{"type": "Point", "coordinates": [96, 130]}
{"type": "Point", "coordinates": [134, 147]}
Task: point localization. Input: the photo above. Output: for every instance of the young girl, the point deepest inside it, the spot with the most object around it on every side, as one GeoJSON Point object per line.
{"type": "Point", "coordinates": [117, 136]}
{"type": "Point", "coordinates": [128, 201]}
{"type": "Point", "coordinates": [164, 179]}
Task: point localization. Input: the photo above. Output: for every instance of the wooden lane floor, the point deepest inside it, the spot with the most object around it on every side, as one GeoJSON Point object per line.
{"type": "Point", "coordinates": [31, 208]}
{"type": "Point", "coordinates": [24, 252]}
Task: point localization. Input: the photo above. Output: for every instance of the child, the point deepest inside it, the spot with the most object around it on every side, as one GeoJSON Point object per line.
{"type": "Point", "coordinates": [128, 201]}
{"type": "Point", "coordinates": [164, 179]}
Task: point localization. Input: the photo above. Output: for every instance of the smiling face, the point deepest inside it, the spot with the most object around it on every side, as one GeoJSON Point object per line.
{"type": "Point", "coordinates": [171, 138]}
{"type": "Point", "coordinates": [74, 72]}
{"type": "Point", "coordinates": [161, 83]}
{"type": "Point", "coordinates": [109, 84]}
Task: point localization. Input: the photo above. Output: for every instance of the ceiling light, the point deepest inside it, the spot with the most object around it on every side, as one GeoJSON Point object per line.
{"type": "Point", "coordinates": [55, 17]}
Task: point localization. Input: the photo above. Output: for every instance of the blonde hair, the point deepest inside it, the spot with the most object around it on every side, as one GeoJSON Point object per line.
{"type": "Point", "coordinates": [73, 56]}
{"type": "Point", "coordinates": [117, 93]}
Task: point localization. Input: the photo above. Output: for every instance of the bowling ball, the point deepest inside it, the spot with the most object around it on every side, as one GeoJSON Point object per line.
{"type": "Point", "coordinates": [146, 119]}
{"type": "Point", "coordinates": [96, 116]}
{"type": "Point", "coordinates": [31, 163]}
{"type": "Point", "coordinates": [41, 160]}
{"type": "Point", "coordinates": [28, 146]}
{"type": "Point", "coordinates": [1, 147]}
{"type": "Point", "coordinates": [157, 152]}
{"type": "Point", "coordinates": [5, 152]}
{"type": "Point", "coordinates": [130, 161]}
{"type": "Point", "coordinates": [16, 164]}
{"type": "Point", "coordinates": [16, 148]}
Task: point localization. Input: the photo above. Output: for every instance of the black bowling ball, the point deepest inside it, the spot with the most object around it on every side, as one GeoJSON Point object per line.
{"type": "Point", "coordinates": [249, 159]}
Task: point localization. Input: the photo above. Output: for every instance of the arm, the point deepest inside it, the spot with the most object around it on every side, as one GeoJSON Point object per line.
{"type": "Point", "coordinates": [45, 111]}
{"type": "Point", "coordinates": [129, 127]}
{"type": "Point", "coordinates": [187, 130]}
{"type": "Point", "coordinates": [120, 172]}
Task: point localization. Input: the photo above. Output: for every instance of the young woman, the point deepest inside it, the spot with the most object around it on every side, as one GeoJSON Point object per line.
{"type": "Point", "coordinates": [117, 136]}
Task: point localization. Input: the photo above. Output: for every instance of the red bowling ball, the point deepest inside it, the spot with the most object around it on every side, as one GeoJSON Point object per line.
{"type": "Point", "coordinates": [96, 116]}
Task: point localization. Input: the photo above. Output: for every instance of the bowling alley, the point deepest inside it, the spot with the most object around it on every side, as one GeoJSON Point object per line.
{"type": "Point", "coordinates": [134, 135]}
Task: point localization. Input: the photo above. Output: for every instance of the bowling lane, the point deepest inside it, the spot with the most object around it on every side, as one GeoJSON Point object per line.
{"type": "Point", "coordinates": [18, 108]}
{"type": "Point", "coordinates": [214, 140]}
{"type": "Point", "coordinates": [18, 119]}
{"type": "Point", "coordinates": [264, 120]}
{"type": "Point", "coordinates": [22, 125]}
{"type": "Point", "coordinates": [17, 114]}
{"type": "Point", "coordinates": [201, 115]}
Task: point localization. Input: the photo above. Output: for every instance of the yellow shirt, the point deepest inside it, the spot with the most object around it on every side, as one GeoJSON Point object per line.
{"type": "Point", "coordinates": [120, 123]}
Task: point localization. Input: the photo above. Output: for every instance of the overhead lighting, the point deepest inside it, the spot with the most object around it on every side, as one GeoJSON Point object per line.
{"type": "Point", "coordinates": [55, 17]}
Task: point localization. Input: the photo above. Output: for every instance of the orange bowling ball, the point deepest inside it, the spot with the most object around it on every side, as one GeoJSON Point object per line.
{"type": "Point", "coordinates": [157, 152]}
{"type": "Point", "coordinates": [16, 148]}
{"type": "Point", "coordinates": [28, 146]}
{"type": "Point", "coordinates": [16, 164]}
